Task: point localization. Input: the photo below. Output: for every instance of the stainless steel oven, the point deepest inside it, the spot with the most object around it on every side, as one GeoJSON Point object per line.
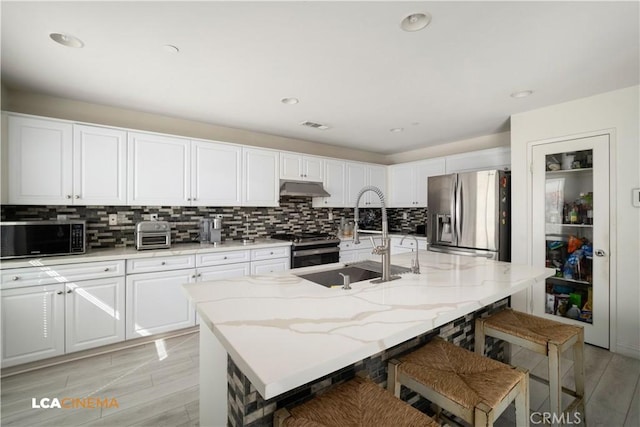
{"type": "Point", "coordinates": [309, 249]}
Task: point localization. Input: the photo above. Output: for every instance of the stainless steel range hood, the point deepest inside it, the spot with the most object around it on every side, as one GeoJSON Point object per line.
{"type": "Point", "coordinates": [302, 188]}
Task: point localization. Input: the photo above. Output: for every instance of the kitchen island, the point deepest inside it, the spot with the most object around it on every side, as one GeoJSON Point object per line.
{"type": "Point", "coordinates": [282, 332]}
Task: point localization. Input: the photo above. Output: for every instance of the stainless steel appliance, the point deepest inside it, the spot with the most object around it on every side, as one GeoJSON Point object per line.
{"type": "Point", "coordinates": [310, 249]}
{"type": "Point", "coordinates": [42, 238]}
{"type": "Point", "coordinates": [469, 214]}
{"type": "Point", "coordinates": [216, 230]}
{"type": "Point", "coordinates": [153, 235]}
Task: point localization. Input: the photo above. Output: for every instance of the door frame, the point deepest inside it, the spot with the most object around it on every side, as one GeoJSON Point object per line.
{"type": "Point", "coordinates": [613, 236]}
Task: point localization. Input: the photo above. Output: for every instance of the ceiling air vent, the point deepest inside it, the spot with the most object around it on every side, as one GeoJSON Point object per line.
{"type": "Point", "coordinates": [315, 125]}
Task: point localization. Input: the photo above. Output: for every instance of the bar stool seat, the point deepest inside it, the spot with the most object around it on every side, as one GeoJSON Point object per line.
{"type": "Point", "coordinates": [472, 387]}
{"type": "Point", "coordinates": [546, 337]}
{"type": "Point", "coordinates": [358, 402]}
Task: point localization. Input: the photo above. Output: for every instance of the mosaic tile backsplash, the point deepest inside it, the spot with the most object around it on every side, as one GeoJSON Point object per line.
{"type": "Point", "coordinates": [295, 214]}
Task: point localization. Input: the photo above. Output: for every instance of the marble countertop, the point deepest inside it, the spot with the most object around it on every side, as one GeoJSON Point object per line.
{"type": "Point", "coordinates": [284, 331]}
{"type": "Point", "coordinates": [94, 255]}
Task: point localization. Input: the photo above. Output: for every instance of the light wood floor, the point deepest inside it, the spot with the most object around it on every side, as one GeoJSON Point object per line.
{"type": "Point", "coordinates": [157, 385]}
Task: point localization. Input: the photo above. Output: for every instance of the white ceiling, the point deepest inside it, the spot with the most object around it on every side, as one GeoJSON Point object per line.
{"type": "Point", "coordinates": [349, 63]}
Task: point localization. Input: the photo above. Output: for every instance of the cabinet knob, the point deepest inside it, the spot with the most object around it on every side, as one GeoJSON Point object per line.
{"type": "Point", "coordinates": [270, 253]}
{"type": "Point", "coordinates": [69, 291]}
{"type": "Point", "coordinates": [68, 196]}
{"type": "Point", "coordinates": [163, 263]}
{"type": "Point", "coordinates": [193, 276]}
{"type": "Point", "coordinates": [106, 269]}
{"type": "Point", "coordinates": [76, 196]}
{"type": "Point", "coordinates": [189, 199]}
{"type": "Point", "coordinates": [199, 274]}
{"type": "Point", "coordinates": [59, 292]}
{"type": "Point", "coordinates": [600, 252]}
{"type": "Point", "coordinates": [15, 278]}
{"type": "Point", "coordinates": [325, 202]}
{"type": "Point", "coordinates": [194, 199]}
{"type": "Point", "coordinates": [224, 257]}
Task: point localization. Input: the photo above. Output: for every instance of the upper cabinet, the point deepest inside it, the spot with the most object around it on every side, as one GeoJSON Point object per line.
{"type": "Point", "coordinates": [335, 184]}
{"type": "Point", "coordinates": [216, 174]}
{"type": "Point", "coordinates": [408, 182]}
{"type": "Point", "coordinates": [58, 163]}
{"type": "Point", "coordinates": [159, 170]}
{"type": "Point", "coordinates": [492, 158]}
{"type": "Point", "coordinates": [301, 168]}
{"type": "Point", "coordinates": [260, 171]}
{"type": "Point", "coordinates": [360, 175]}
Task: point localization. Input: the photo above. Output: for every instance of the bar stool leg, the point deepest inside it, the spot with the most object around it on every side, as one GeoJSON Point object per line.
{"type": "Point", "coordinates": [393, 385]}
{"type": "Point", "coordinates": [578, 374]}
{"type": "Point", "coordinates": [479, 338]}
{"type": "Point", "coordinates": [522, 401]}
{"type": "Point", "coordinates": [555, 390]}
{"type": "Point", "coordinates": [483, 416]}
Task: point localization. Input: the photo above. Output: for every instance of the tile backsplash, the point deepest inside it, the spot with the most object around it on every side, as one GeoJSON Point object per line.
{"type": "Point", "coordinates": [295, 214]}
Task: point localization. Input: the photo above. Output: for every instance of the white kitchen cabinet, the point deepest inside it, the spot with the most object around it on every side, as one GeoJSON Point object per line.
{"type": "Point", "coordinates": [157, 303]}
{"type": "Point", "coordinates": [297, 167]}
{"type": "Point", "coordinates": [398, 246]}
{"type": "Point", "coordinates": [335, 183]}
{"type": "Point", "coordinates": [225, 271]}
{"type": "Point", "coordinates": [32, 323]}
{"type": "Point", "coordinates": [360, 175]}
{"type": "Point", "coordinates": [271, 253]}
{"type": "Point", "coordinates": [408, 182]}
{"type": "Point", "coordinates": [216, 174]}
{"type": "Point", "coordinates": [492, 158]}
{"type": "Point", "coordinates": [270, 266]}
{"type": "Point", "coordinates": [222, 258]}
{"type": "Point", "coordinates": [350, 252]}
{"type": "Point", "coordinates": [40, 161]}
{"type": "Point", "coordinates": [56, 309]}
{"type": "Point", "coordinates": [99, 166]}
{"type": "Point", "coordinates": [94, 313]}
{"type": "Point", "coordinates": [261, 183]}
{"type": "Point", "coordinates": [159, 170]}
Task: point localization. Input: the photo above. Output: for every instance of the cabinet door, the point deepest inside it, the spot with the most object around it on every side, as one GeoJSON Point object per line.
{"type": "Point", "coordinates": [32, 324]}
{"type": "Point", "coordinates": [335, 184]}
{"type": "Point", "coordinates": [40, 161]}
{"type": "Point", "coordinates": [270, 266]}
{"type": "Point", "coordinates": [216, 174]}
{"type": "Point", "coordinates": [377, 177]}
{"type": "Point", "coordinates": [356, 179]}
{"type": "Point", "coordinates": [261, 185]}
{"type": "Point", "coordinates": [224, 271]}
{"type": "Point", "coordinates": [423, 171]}
{"type": "Point", "coordinates": [291, 166]}
{"type": "Point", "coordinates": [570, 226]}
{"type": "Point", "coordinates": [159, 170]}
{"type": "Point", "coordinates": [402, 186]}
{"type": "Point", "coordinates": [99, 166]}
{"type": "Point", "coordinates": [312, 168]}
{"type": "Point", "coordinates": [94, 313]}
{"type": "Point", "coordinates": [156, 302]}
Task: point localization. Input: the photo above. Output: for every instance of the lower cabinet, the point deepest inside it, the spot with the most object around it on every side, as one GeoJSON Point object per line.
{"type": "Point", "coordinates": [270, 266]}
{"type": "Point", "coordinates": [46, 321]}
{"type": "Point", "coordinates": [350, 252]}
{"type": "Point", "coordinates": [157, 303]}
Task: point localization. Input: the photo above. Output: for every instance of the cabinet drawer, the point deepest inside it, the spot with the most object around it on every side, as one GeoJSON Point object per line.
{"type": "Point", "coordinates": [148, 265]}
{"type": "Point", "coordinates": [221, 258]}
{"type": "Point", "coordinates": [270, 253]}
{"type": "Point", "coordinates": [348, 245]}
{"type": "Point", "coordinates": [63, 273]}
{"type": "Point", "coordinates": [269, 266]}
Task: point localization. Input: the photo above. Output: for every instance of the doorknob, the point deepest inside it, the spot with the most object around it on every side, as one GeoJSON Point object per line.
{"type": "Point", "coordinates": [600, 252]}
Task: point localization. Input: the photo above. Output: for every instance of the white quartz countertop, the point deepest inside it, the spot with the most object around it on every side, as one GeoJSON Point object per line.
{"type": "Point", "coordinates": [94, 255]}
{"type": "Point", "coordinates": [284, 331]}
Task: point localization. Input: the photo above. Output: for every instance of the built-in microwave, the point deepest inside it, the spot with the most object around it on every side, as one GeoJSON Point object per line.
{"type": "Point", "coordinates": [42, 238]}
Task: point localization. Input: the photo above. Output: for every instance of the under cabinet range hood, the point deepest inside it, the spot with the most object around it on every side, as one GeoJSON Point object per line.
{"type": "Point", "coordinates": [302, 188]}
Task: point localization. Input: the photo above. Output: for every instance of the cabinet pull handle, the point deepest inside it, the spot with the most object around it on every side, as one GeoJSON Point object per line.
{"type": "Point", "coordinates": [15, 278]}
{"type": "Point", "coordinates": [69, 291]}
{"type": "Point", "coordinates": [600, 252]}
{"type": "Point", "coordinates": [106, 269]}
{"type": "Point", "coordinates": [59, 292]}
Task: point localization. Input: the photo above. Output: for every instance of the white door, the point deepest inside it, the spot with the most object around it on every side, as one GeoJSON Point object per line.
{"type": "Point", "coordinates": [216, 174]}
{"type": "Point", "coordinates": [261, 183]}
{"type": "Point", "coordinates": [423, 171]}
{"type": "Point", "coordinates": [40, 161]}
{"type": "Point", "coordinates": [158, 170]}
{"type": "Point", "coordinates": [291, 166]}
{"type": "Point", "coordinates": [94, 313]}
{"type": "Point", "coordinates": [377, 177]}
{"type": "Point", "coordinates": [402, 186]}
{"type": "Point", "coordinates": [570, 225]}
{"type": "Point", "coordinates": [334, 183]}
{"type": "Point", "coordinates": [99, 166]}
{"type": "Point", "coordinates": [157, 303]}
{"type": "Point", "coordinates": [312, 168]}
{"type": "Point", "coordinates": [356, 180]}
{"type": "Point", "coordinates": [32, 324]}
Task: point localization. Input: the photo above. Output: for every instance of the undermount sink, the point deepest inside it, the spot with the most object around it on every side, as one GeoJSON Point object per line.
{"type": "Point", "coordinates": [358, 272]}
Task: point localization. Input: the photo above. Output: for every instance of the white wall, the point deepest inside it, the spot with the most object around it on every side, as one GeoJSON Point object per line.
{"type": "Point", "coordinates": [618, 111]}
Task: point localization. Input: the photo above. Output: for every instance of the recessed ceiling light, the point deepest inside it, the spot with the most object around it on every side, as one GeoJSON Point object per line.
{"type": "Point", "coordinates": [169, 48]}
{"type": "Point", "coordinates": [396, 130]}
{"type": "Point", "coordinates": [415, 124]}
{"type": "Point", "coordinates": [66, 40]}
{"type": "Point", "coordinates": [290, 101]}
{"type": "Point", "coordinates": [521, 94]}
{"type": "Point", "coordinates": [415, 21]}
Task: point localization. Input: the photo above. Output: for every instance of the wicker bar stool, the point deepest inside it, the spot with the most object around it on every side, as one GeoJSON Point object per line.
{"type": "Point", "coordinates": [546, 337]}
{"type": "Point", "coordinates": [472, 387]}
{"type": "Point", "coordinates": [358, 402]}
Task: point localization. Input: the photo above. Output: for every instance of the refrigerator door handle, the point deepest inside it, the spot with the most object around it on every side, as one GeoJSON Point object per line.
{"type": "Point", "coordinates": [452, 210]}
{"type": "Point", "coordinates": [458, 212]}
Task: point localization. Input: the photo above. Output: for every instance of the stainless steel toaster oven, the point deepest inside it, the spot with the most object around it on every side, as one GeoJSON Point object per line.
{"type": "Point", "coordinates": [153, 235]}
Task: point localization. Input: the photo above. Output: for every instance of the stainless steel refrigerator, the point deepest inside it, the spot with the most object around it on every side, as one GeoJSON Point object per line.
{"type": "Point", "coordinates": [470, 214]}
